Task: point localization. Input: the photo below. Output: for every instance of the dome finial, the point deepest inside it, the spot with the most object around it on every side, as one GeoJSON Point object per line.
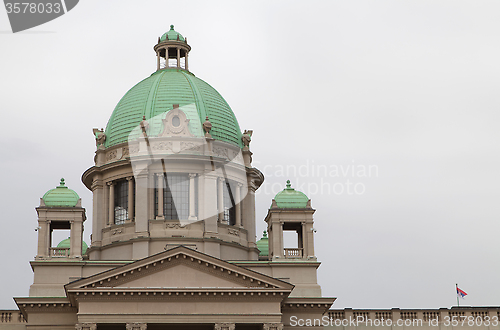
{"type": "Point", "coordinates": [264, 235]}
{"type": "Point", "coordinates": [171, 26]}
{"type": "Point", "coordinates": [61, 184]}
{"type": "Point", "coordinates": [288, 185]}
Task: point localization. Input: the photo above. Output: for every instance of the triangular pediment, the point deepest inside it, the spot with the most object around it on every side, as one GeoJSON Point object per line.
{"type": "Point", "coordinates": [181, 275]}
{"type": "Point", "coordinates": [179, 268]}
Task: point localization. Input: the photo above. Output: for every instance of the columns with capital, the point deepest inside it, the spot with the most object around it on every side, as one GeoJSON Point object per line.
{"type": "Point", "coordinates": [186, 60]}
{"type": "Point", "coordinates": [86, 326]}
{"type": "Point", "coordinates": [158, 60]}
{"type": "Point", "coordinates": [111, 203]}
{"type": "Point", "coordinates": [166, 57]}
{"type": "Point", "coordinates": [192, 197]}
{"type": "Point", "coordinates": [272, 326]}
{"type": "Point", "coordinates": [238, 204]}
{"type": "Point", "coordinates": [130, 180]}
{"type": "Point", "coordinates": [220, 200]}
{"type": "Point", "coordinates": [224, 326]}
{"type": "Point", "coordinates": [161, 180]}
{"type": "Point", "coordinates": [136, 326]}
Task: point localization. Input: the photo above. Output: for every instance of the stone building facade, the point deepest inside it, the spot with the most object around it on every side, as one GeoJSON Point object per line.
{"type": "Point", "coordinates": [173, 241]}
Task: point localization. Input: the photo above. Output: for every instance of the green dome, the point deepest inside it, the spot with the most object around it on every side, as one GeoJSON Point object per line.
{"type": "Point", "coordinates": [290, 198]}
{"type": "Point", "coordinates": [263, 245]}
{"type": "Point", "coordinates": [157, 94]}
{"type": "Point", "coordinates": [171, 35]}
{"type": "Point", "coordinates": [66, 243]}
{"type": "Point", "coordinates": [61, 196]}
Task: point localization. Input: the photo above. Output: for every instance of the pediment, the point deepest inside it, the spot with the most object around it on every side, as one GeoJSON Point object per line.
{"type": "Point", "coordinates": [179, 268]}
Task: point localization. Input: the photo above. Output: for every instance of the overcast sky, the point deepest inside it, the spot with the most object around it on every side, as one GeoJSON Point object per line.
{"type": "Point", "coordinates": [385, 113]}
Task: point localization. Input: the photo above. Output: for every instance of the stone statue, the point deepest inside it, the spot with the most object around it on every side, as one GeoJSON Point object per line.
{"type": "Point", "coordinates": [207, 127]}
{"type": "Point", "coordinates": [144, 125]}
{"type": "Point", "coordinates": [247, 138]}
{"type": "Point", "coordinates": [100, 136]}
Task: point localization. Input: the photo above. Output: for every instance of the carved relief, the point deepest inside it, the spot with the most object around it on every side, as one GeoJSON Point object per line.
{"type": "Point", "coordinates": [136, 326]}
{"type": "Point", "coordinates": [111, 155]}
{"type": "Point", "coordinates": [133, 149]}
{"type": "Point", "coordinates": [176, 123]}
{"type": "Point", "coordinates": [125, 152]}
{"type": "Point", "coordinates": [220, 152]}
{"type": "Point", "coordinates": [116, 231]}
{"type": "Point", "coordinates": [86, 326]}
{"type": "Point", "coordinates": [174, 225]}
{"type": "Point", "coordinates": [224, 326]}
{"type": "Point", "coordinates": [190, 146]}
{"type": "Point", "coordinates": [234, 232]}
{"type": "Point", "coordinates": [162, 146]}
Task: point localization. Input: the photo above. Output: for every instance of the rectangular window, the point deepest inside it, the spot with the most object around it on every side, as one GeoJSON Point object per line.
{"type": "Point", "coordinates": [229, 212]}
{"type": "Point", "coordinates": [175, 196]}
{"type": "Point", "coordinates": [121, 202]}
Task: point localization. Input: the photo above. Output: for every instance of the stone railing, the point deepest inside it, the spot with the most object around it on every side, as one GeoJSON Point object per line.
{"type": "Point", "coordinates": [56, 252]}
{"type": "Point", "coordinates": [293, 253]}
{"type": "Point", "coordinates": [11, 316]}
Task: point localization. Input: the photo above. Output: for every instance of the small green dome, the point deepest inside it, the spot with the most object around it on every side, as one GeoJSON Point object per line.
{"type": "Point", "coordinates": [66, 243]}
{"type": "Point", "coordinates": [171, 35]}
{"type": "Point", "coordinates": [61, 196]}
{"type": "Point", "coordinates": [290, 198]}
{"type": "Point", "coordinates": [155, 95]}
{"type": "Point", "coordinates": [263, 245]}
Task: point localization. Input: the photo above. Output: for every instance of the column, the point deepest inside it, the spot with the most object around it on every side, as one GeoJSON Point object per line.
{"type": "Point", "coordinates": [98, 211]}
{"type": "Point", "coordinates": [160, 177]}
{"type": "Point", "coordinates": [43, 239]}
{"type": "Point", "coordinates": [111, 203]}
{"type": "Point", "coordinates": [186, 60]}
{"type": "Point", "coordinates": [136, 326]}
{"type": "Point", "coordinates": [282, 243]}
{"type": "Point", "coordinates": [238, 204]}
{"type": "Point", "coordinates": [220, 199]}
{"type": "Point", "coordinates": [224, 326]}
{"type": "Point", "coordinates": [192, 197]}
{"type": "Point", "coordinates": [166, 57]}
{"type": "Point", "coordinates": [76, 237]}
{"type": "Point", "coordinates": [158, 60]}
{"type": "Point", "coordinates": [272, 326]}
{"type": "Point", "coordinates": [130, 180]}
{"type": "Point", "coordinates": [86, 326]}
{"type": "Point", "coordinates": [178, 57]}
{"type": "Point", "coordinates": [140, 248]}
{"type": "Point", "coordinates": [302, 237]}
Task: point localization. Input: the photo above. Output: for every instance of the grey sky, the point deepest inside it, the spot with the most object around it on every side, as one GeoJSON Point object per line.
{"type": "Point", "coordinates": [409, 88]}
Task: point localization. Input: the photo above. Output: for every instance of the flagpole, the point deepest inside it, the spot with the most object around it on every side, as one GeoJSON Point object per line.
{"type": "Point", "coordinates": [456, 289]}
